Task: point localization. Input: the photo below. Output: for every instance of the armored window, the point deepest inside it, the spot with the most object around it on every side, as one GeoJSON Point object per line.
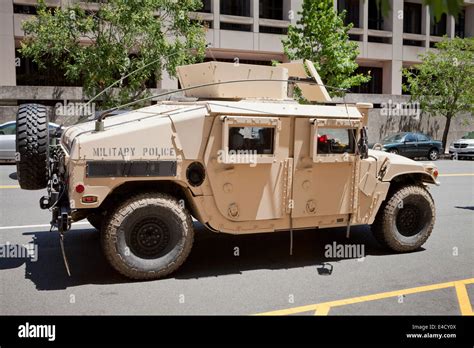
{"type": "Point", "coordinates": [256, 140]}
{"type": "Point", "coordinates": [335, 141]}
{"type": "Point", "coordinates": [249, 139]}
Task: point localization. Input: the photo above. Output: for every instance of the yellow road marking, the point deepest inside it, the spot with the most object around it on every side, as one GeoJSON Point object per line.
{"type": "Point", "coordinates": [379, 296]}
{"type": "Point", "coordinates": [322, 310]}
{"type": "Point", "coordinates": [9, 186]}
{"type": "Point", "coordinates": [458, 174]}
{"type": "Point", "coordinates": [463, 298]}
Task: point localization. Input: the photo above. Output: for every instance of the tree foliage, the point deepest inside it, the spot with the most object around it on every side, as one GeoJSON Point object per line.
{"type": "Point", "coordinates": [443, 83]}
{"type": "Point", "coordinates": [438, 7]}
{"type": "Point", "coordinates": [100, 47]}
{"type": "Point", "coordinates": [321, 37]}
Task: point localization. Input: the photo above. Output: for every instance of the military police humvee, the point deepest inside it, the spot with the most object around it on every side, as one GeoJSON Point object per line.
{"type": "Point", "coordinates": [241, 158]}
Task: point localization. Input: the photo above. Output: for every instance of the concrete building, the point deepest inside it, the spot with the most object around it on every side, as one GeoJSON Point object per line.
{"type": "Point", "coordinates": [250, 31]}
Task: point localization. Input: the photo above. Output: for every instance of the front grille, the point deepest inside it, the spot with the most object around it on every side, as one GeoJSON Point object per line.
{"type": "Point", "coordinates": [460, 146]}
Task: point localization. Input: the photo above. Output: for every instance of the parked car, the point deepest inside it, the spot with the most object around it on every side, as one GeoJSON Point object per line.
{"type": "Point", "coordinates": [464, 147]}
{"type": "Point", "coordinates": [412, 145]}
{"type": "Point", "coordinates": [7, 140]}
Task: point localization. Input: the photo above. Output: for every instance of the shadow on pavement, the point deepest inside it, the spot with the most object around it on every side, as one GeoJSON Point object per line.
{"type": "Point", "coordinates": [212, 255]}
{"type": "Point", "coordinates": [467, 207]}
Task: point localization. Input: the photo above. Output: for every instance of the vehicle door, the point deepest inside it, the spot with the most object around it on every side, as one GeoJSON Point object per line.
{"type": "Point", "coordinates": [250, 171]}
{"type": "Point", "coordinates": [424, 144]}
{"type": "Point", "coordinates": [323, 180]}
{"type": "Point", "coordinates": [410, 146]}
{"type": "Point", "coordinates": [7, 141]}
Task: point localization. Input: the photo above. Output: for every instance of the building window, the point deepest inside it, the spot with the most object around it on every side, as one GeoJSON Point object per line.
{"type": "Point", "coordinates": [206, 6]}
{"type": "Point", "coordinates": [235, 26]}
{"type": "Point", "coordinates": [412, 18]}
{"type": "Point", "coordinates": [438, 28]}
{"type": "Point", "coordinates": [24, 9]}
{"type": "Point", "coordinates": [273, 30]}
{"type": "Point", "coordinates": [236, 7]}
{"type": "Point", "coordinates": [271, 9]}
{"type": "Point", "coordinates": [352, 8]}
{"type": "Point", "coordinates": [374, 86]}
{"type": "Point", "coordinates": [461, 24]}
{"type": "Point", "coordinates": [375, 16]}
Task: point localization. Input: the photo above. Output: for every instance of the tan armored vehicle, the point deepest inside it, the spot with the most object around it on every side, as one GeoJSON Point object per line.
{"type": "Point", "coordinates": [241, 158]}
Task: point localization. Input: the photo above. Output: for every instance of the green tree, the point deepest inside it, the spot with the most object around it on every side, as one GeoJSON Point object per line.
{"type": "Point", "coordinates": [443, 83]}
{"type": "Point", "coordinates": [438, 7]}
{"type": "Point", "coordinates": [103, 46]}
{"type": "Point", "coordinates": [321, 37]}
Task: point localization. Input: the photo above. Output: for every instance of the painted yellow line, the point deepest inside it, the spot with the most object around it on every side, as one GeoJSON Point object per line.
{"type": "Point", "coordinates": [463, 298]}
{"type": "Point", "coordinates": [9, 186]}
{"type": "Point", "coordinates": [379, 296]}
{"type": "Point", "coordinates": [458, 174]}
{"type": "Point", "coordinates": [322, 310]}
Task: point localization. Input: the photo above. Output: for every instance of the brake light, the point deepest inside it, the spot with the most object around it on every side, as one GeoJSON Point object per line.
{"type": "Point", "coordinates": [435, 173]}
{"type": "Point", "coordinates": [89, 199]}
{"type": "Point", "coordinates": [80, 188]}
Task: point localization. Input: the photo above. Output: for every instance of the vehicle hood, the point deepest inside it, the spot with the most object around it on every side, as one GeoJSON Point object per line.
{"type": "Point", "coordinates": [391, 165]}
{"type": "Point", "coordinates": [463, 141]}
{"type": "Point", "coordinates": [157, 132]}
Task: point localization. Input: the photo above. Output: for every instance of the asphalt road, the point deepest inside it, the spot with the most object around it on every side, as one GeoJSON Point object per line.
{"type": "Point", "coordinates": [262, 278]}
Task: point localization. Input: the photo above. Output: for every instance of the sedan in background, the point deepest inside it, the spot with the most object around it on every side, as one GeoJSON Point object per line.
{"type": "Point", "coordinates": [7, 140]}
{"type": "Point", "coordinates": [463, 148]}
{"type": "Point", "coordinates": [412, 145]}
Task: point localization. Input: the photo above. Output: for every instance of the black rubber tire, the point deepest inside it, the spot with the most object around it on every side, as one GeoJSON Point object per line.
{"type": "Point", "coordinates": [118, 229]}
{"type": "Point", "coordinates": [96, 220]}
{"type": "Point", "coordinates": [433, 154]}
{"type": "Point", "coordinates": [394, 151]}
{"type": "Point", "coordinates": [385, 227]}
{"type": "Point", "coordinates": [32, 146]}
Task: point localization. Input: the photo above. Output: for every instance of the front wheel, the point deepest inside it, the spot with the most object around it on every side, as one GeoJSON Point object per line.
{"type": "Point", "coordinates": [148, 236]}
{"type": "Point", "coordinates": [406, 220]}
{"type": "Point", "coordinates": [433, 154]}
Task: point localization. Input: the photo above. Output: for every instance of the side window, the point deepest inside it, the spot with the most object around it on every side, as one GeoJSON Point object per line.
{"type": "Point", "coordinates": [410, 138]}
{"type": "Point", "coordinates": [9, 129]}
{"type": "Point", "coordinates": [335, 141]}
{"type": "Point", "coordinates": [256, 140]}
{"type": "Point", "coordinates": [422, 137]}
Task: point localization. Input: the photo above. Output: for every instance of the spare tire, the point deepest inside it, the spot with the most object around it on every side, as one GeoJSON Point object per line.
{"type": "Point", "coordinates": [32, 146]}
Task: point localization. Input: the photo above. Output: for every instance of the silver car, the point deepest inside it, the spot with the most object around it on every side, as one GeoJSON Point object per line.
{"type": "Point", "coordinates": [463, 148]}
{"type": "Point", "coordinates": [7, 140]}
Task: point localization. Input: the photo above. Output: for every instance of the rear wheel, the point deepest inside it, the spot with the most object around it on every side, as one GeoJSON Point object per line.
{"type": "Point", "coordinates": [394, 151]}
{"type": "Point", "coordinates": [406, 220]}
{"type": "Point", "coordinates": [148, 237]}
{"type": "Point", "coordinates": [32, 146]}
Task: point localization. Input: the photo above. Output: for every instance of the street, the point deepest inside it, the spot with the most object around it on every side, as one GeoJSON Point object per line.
{"type": "Point", "coordinates": [249, 274]}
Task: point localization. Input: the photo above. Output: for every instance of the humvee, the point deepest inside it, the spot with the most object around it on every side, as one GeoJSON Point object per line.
{"type": "Point", "coordinates": [238, 154]}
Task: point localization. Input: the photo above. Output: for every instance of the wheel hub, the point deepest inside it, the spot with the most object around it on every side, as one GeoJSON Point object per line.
{"type": "Point", "coordinates": [409, 221]}
{"type": "Point", "coordinates": [149, 238]}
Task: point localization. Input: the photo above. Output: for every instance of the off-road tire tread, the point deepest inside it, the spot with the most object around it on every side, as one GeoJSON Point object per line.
{"type": "Point", "coordinates": [381, 228]}
{"type": "Point", "coordinates": [32, 144]}
{"type": "Point", "coordinates": [114, 219]}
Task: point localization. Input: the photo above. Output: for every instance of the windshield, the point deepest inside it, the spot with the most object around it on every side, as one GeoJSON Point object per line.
{"type": "Point", "coordinates": [397, 138]}
{"type": "Point", "coordinates": [469, 135]}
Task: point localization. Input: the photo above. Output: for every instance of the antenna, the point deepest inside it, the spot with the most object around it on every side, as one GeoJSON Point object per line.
{"type": "Point", "coordinates": [99, 125]}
